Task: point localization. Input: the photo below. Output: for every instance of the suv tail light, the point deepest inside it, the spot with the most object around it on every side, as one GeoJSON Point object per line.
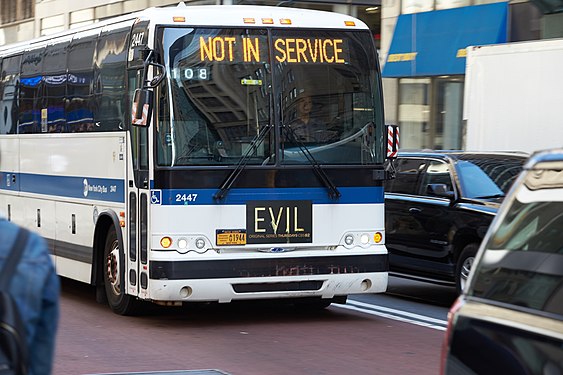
{"type": "Point", "coordinates": [458, 303]}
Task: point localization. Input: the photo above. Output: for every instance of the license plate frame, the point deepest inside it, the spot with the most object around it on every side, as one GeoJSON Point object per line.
{"type": "Point", "coordinates": [230, 237]}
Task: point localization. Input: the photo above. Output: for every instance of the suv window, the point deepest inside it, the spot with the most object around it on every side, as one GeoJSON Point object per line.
{"type": "Point", "coordinates": [436, 173]}
{"type": "Point", "coordinates": [407, 176]}
{"type": "Point", "coordinates": [482, 176]}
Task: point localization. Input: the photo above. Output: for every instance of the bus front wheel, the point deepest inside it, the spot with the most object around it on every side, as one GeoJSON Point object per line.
{"type": "Point", "coordinates": [118, 301]}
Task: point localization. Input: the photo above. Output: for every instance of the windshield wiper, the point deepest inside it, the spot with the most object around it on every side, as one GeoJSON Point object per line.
{"type": "Point", "coordinates": [321, 174]}
{"type": "Point", "coordinates": [231, 178]}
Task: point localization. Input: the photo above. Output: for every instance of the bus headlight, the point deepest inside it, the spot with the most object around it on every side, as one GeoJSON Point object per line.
{"type": "Point", "coordinates": [364, 239]}
{"type": "Point", "coordinates": [182, 243]}
{"type": "Point", "coordinates": [349, 240]}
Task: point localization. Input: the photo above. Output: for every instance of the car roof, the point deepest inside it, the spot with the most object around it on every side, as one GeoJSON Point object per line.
{"type": "Point", "coordinates": [462, 154]}
{"type": "Point", "coordinates": [541, 159]}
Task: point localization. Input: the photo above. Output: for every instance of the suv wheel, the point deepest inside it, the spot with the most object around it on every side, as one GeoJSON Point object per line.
{"type": "Point", "coordinates": [464, 264]}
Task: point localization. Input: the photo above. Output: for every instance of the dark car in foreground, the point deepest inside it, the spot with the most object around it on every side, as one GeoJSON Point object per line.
{"type": "Point", "coordinates": [509, 319]}
{"type": "Point", "coordinates": [439, 207]}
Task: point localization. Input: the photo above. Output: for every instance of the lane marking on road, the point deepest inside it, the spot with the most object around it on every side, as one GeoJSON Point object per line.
{"type": "Point", "coordinates": [402, 316]}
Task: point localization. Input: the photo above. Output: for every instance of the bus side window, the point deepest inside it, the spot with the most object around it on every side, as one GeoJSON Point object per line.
{"type": "Point", "coordinates": [9, 94]}
{"type": "Point", "coordinates": [80, 82]}
{"type": "Point", "coordinates": [31, 83]}
{"type": "Point", "coordinates": [111, 60]}
{"type": "Point", "coordinates": [54, 75]}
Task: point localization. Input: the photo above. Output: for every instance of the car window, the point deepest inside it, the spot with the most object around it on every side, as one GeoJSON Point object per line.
{"type": "Point", "coordinates": [437, 173]}
{"type": "Point", "coordinates": [523, 261]}
{"type": "Point", "coordinates": [475, 183]}
{"type": "Point", "coordinates": [487, 176]}
{"type": "Point", "coordinates": [407, 175]}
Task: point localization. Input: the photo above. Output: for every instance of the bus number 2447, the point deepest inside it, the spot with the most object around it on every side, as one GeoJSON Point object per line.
{"type": "Point", "coordinates": [186, 198]}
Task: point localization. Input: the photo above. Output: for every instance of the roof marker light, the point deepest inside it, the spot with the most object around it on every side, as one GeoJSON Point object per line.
{"type": "Point", "coordinates": [285, 21]}
{"type": "Point", "coordinates": [267, 21]}
{"type": "Point", "coordinates": [249, 20]}
{"type": "Point", "coordinates": [349, 23]}
{"type": "Point", "coordinates": [179, 19]}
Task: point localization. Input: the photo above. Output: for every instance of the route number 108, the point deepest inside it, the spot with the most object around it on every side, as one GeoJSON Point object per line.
{"type": "Point", "coordinates": [190, 73]}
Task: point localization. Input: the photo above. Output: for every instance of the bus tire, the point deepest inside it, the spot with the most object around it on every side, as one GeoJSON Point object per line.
{"type": "Point", "coordinates": [118, 301]}
{"type": "Point", "coordinates": [463, 265]}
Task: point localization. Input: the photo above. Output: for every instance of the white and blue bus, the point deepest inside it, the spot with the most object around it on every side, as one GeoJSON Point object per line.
{"type": "Point", "coordinates": [167, 156]}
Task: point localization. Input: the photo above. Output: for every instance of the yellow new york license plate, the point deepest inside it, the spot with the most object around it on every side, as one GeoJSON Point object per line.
{"type": "Point", "coordinates": [231, 237]}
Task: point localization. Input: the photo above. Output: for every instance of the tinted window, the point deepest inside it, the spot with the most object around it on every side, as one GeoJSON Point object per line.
{"type": "Point", "coordinates": [8, 94]}
{"type": "Point", "coordinates": [54, 75]}
{"type": "Point", "coordinates": [407, 176]}
{"type": "Point", "coordinates": [31, 83]}
{"type": "Point", "coordinates": [488, 175]}
{"type": "Point", "coordinates": [523, 261]}
{"type": "Point", "coordinates": [111, 61]}
{"type": "Point", "coordinates": [80, 87]}
{"type": "Point", "coordinates": [436, 173]}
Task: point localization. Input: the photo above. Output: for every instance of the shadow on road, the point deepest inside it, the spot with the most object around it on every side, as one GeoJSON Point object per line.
{"type": "Point", "coordinates": [428, 293]}
{"type": "Point", "coordinates": [213, 314]}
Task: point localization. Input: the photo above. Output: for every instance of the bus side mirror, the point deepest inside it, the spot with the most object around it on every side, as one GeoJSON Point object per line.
{"type": "Point", "coordinates": [142, 108]}
{"type": "Point", "coordinates": [147, 55]}
{"type": "Point", "coordinates": [392, 141]}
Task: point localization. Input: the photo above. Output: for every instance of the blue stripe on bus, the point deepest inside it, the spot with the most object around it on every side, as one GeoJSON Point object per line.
{"type": "Point", "coordinates": [102, 189]}
{"type": "Point", "coordinates": [113, 190]}
{"type": "Point", "coordinates": [350, 195]}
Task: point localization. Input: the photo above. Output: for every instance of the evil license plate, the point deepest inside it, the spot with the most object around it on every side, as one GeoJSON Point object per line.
{"type": "Point", "coordinates": [231, 237]}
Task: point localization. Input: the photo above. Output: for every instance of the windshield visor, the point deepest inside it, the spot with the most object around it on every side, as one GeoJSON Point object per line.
{"type": "Point", "coordinates": [217, 104]}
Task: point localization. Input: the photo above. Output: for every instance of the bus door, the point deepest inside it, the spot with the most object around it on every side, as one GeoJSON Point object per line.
{"type": "Point", "coordinates": [138, 201]}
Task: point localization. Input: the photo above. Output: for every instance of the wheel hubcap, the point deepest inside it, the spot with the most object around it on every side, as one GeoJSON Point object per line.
{"type": "Point", "coordinates": [465, 269]}
{"type": "Point", "coordinates": [112, 265]}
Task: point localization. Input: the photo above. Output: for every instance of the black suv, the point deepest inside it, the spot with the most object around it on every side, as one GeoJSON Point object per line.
{"type": "Point", "coordinates": [439, 207]}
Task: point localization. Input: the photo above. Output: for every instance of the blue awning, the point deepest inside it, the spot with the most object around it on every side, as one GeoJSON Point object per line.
{"type": "Point", "coordinates": [433, 43]}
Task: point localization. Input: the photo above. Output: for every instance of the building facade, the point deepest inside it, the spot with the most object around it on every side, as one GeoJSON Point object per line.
{"type": "Point", "coordinates": [423, 49]}
{"type": "Point", "coordinates": [21, 20]}
{"type": "Point", "coordinates": [421, 42]}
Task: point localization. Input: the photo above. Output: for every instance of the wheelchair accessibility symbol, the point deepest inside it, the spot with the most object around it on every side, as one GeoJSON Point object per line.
{"type": "Point", "coordinates": [156, 197]}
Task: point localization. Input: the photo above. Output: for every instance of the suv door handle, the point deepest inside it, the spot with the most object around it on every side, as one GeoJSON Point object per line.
{"type": "Point", "coordinates": [414, 210]}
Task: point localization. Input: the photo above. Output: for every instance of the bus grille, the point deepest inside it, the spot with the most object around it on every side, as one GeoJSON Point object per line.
{"type": "Point", "coordinates": [278, 287]}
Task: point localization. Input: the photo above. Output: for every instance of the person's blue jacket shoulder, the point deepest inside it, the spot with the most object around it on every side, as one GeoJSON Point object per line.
{"type": "Point", "coordinates": [35, 287]}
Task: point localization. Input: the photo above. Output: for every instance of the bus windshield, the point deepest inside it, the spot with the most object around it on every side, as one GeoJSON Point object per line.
{"type": "Point", "coordinates": [307, 90]}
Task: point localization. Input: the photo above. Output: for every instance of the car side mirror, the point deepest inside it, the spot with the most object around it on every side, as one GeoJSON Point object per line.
{"type": "Point", "coordinates": [440, 190]}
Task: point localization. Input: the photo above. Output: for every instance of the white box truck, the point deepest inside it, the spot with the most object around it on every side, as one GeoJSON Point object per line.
{"type": "Point", "coordinates": [513, 99]}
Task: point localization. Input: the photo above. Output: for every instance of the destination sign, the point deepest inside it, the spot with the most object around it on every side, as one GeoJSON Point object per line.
{"type": "Point", "coordinates": [286, 50]}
